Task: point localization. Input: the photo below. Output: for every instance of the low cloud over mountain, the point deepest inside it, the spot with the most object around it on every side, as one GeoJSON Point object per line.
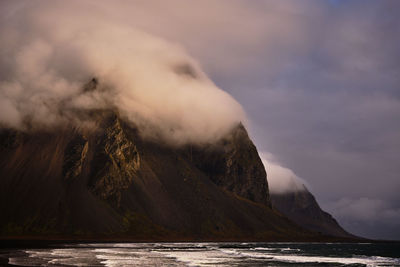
{"type": "Point", "coordinates": [47, 57]}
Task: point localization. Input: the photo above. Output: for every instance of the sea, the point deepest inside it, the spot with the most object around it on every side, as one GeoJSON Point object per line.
{"type": "Point", "coordinates": [207, 254]}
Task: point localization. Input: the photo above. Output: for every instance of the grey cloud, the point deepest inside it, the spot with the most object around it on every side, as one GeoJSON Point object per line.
{"type": "Point", "coordinates": [364, 214]}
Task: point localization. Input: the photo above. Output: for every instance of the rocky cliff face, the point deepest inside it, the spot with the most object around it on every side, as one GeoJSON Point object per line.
{"type": "Point", "coordinates": [109, 182]}
{"type": "Point", "coordinates": [302, 208]}
{"type": "Point", "coordinates": [117, 159]}
{"type": "Point", "coordinates": [234, 165]}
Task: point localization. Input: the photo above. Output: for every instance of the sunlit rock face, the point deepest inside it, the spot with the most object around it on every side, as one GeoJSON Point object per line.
{"type": "Point", "coordinates": [117, 161]}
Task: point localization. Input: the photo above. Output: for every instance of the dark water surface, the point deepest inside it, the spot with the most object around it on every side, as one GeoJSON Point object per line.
{"type": "Point", "coordinates": [207, 254]}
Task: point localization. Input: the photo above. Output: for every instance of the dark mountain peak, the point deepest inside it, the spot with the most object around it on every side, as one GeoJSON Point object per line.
{"type": "Point", "coordinates": [233, 163]}
{"type": "Point", "coordinates": [302, 207]}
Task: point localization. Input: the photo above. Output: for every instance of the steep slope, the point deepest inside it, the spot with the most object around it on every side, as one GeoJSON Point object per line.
{"type": "Point", "coordinates": [234, 164]}
{"type": "Point", "coordinates": [108, 182]}
{"type": "Point", "coordinates": [301, 207]}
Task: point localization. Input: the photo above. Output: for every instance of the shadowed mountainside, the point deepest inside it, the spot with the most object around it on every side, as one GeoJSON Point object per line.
{"type": "Point", "coordinates": [301, 207]}
{"type": "Point", "coordinates": [108, 182]}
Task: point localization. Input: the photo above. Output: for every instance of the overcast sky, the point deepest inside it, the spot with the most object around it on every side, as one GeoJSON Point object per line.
{"type": "Point", "coordinates": [319, 81]}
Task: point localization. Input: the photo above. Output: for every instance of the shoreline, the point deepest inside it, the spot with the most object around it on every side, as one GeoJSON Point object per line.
{"type": "Point", "coordinates": [41, 242]}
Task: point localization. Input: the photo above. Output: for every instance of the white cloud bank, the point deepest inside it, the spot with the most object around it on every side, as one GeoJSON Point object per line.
{"type": "Point", "coordinates": [51, 49]}
{"type": "Point", "coordinates": [280, 179]}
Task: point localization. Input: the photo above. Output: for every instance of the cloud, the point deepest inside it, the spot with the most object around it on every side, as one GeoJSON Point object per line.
{"type": "Point", "coordinates": [280, 179]}
{"type": "Point", "coordinates": [326, 101]}
{"type": "Point", "coordinates": [50, 50]}
{"type": "Point", "coordinates": [366, 209]}
{"type": "Point", "coordinates": [319, 81]}
{"type": "Point", "coordinates": [362, 215]}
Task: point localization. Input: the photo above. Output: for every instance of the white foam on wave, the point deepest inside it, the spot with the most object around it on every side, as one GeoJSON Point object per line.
{"type": "Point", "coordinates": [117, 251]}
{"type": "Point", "coordinates": [200, 258]}
{"type": "Point", "coordinates": [136, 259]}
{"type": "Point", "coordinates": [20, 261]}
{"type": "Point", "coordinates": [183, 254]}
{"type": "Point", "coordinates": [113, 257]}
{"type": "Point", "coordinates": [263, 248]}
{"type": "Point", "coordinates": [56, 257]}
{"type": "Point", "coordinates": [88, 256]}
{"type": "Point", "coordinates": [372, 261]}
{"type": "Point", "coordinates": [290, 249]}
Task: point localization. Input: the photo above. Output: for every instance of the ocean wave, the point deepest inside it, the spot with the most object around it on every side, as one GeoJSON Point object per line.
{"type": "Point", "coordinates": [264, 248]}
{"type": "Point", "coordinates": [369, 261]}
{"type": "Point", "coordinates": [290, 249]}
{"type": "Point", "coordinates": [188, 254]}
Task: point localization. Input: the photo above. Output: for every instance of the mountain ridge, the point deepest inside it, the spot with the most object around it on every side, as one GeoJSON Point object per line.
{"type": "Point", "coordinates": [109, 181]}
{"type": "Point", "coordinates": [301, 207]}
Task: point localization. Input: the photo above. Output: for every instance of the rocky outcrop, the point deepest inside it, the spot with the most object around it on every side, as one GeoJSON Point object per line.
{"type": "Point", "coordinates": [301, 207]}
{"type": "Point", "coordinates": [74, 157]}
{"type": "Point", "coordinates": [116, 161]}
{"type": "Point", "coordinates": [234, 164]}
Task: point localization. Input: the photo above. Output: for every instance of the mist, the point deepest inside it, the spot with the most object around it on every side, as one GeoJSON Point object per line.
{"type": "Point", "coordinates": [281, 180]}
{"type": "Point", "coordinates": [50, 51]}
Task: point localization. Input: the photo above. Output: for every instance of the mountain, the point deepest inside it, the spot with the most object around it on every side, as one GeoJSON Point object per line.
{"type": "Point", "coordinates": [108, 182]}
{"type": "Point", "coordinates": [301, 207]}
